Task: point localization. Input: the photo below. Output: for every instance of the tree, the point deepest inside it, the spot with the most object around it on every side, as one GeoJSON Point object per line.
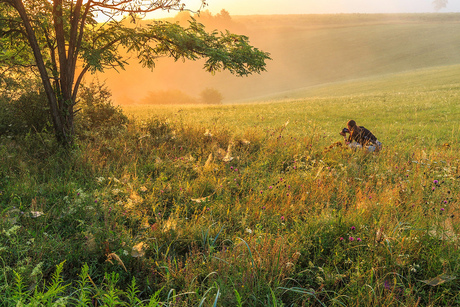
{"type": "Point", "coordinates": [211, 96]}
{"type": "Point", "coordinates": [62, 41]}
{"type": "Point", "coordinates": [439, 4]}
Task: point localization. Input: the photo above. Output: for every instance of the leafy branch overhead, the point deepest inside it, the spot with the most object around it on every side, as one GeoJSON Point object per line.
{"type": "Point", "coordinates": [222, 51]}
{"type": "Point", "coordinates": [54, 38]}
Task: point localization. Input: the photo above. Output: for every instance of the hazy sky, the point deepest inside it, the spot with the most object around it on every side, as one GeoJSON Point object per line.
{"type": "Point", "coordinates": [251, 7]}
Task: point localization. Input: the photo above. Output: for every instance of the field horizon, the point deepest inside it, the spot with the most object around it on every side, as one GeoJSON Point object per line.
{"type": "Point", "coordinates": [306, 51]}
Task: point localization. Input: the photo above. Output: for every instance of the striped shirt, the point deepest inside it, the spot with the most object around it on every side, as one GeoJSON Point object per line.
{"type": "Point", "coordinates": [363, 137]}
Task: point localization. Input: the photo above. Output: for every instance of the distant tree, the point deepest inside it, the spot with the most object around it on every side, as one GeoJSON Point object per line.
{"type": "Point", "coordinates": [439, 4]}
{"type": "Point", "coordinates": [224, 14]}
{"type": "Point", "coordinates": [54, 37]}
{"type": "Point", "coordinates": [211, 96]}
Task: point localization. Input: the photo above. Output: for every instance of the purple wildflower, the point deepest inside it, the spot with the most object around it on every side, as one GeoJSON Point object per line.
{"type": "Point", "coordinates": [386, 284]}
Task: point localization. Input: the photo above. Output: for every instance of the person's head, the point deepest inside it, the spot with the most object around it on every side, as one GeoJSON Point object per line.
{"type": "Point", "coordinates": [351, 124]}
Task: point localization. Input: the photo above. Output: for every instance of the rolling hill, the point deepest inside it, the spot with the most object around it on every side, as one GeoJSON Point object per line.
{"type": "Point", "coordinates": [307, 50]}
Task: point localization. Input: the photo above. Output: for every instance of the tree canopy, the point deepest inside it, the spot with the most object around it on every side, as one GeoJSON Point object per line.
{"type": "Point", "coordinates": [62, 40]}
{"type": "Point", "coordinates": [439, 4]}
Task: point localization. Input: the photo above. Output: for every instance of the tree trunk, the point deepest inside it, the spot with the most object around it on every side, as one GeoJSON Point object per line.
{"type": "Point", "coordinates": [62, 122]}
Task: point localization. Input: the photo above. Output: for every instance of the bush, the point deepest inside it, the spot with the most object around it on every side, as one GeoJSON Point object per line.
{"type": "Point", "coordinates": [24, 111]}
{"type": "Point", "coordinates": [211, 96]}
{"type": "Point", "coordinates": [97, 111]}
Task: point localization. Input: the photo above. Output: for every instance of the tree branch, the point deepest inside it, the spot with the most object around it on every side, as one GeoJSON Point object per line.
{"type": "Point", "coordinates": [78, 82]}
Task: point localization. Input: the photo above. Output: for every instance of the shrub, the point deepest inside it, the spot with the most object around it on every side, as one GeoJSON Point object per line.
{"type": "Point", "coordinates": [24, 111]}
{"type": "Point", "coordinates": [211, 96]}
{"type": "Point", "coordinates": [97, 111]}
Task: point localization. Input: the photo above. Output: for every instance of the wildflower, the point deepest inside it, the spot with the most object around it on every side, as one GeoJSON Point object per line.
{"type": "Point", "coordinates": [351, 238]}
{"type": "Point", "coordinates": [353, 228]}
{"type": "Point", "coordinates": [270, 187]}
{"type": "Point", "coordinates": [442, 209]}
{"type": "Point", "coordinates": [435, 181]}
{"type": "Point", "coordinates": [341, 238]}
{"type": "Point", "coordinates": [263, 208]}
{"type": "Point", "coordinates": [358, 239]}
{"type": "Point", "coordinates": [282, 218]}
{"type": "Point", "coordinates": [36, 214]}
{"type": "Point", "coordinates": [386, 284]}
{"type": "Point", "coordinates": [433, 188]}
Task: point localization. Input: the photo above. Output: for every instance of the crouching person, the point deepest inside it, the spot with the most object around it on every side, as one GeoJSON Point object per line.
{"type": "Point", "coordinates": [360, 137]}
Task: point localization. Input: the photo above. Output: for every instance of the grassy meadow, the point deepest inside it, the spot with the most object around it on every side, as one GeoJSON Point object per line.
{"type": "Point", "coordinates": [243, 205]}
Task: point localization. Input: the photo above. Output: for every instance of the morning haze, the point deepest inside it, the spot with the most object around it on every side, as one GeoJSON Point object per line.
{"type": "Point", "coordinates": [306, 50]}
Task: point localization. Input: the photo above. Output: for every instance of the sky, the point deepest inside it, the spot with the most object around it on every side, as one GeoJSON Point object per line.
{"type": "Point", "coordinates": [264, 7]}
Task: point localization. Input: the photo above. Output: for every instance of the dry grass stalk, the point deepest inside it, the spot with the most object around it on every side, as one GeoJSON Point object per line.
{"type": "Point", "coordinates": [113, 256]}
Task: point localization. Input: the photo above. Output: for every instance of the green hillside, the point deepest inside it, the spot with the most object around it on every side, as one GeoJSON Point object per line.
{"type": "Point", "coordinates": [420, 106]}
{"type": "Point", "coordinates": [308, 50]}
{"type": "Point", "coordinates": [418, 80]}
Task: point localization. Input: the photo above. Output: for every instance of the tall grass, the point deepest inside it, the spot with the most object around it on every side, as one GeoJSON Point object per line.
{"type": "Point", "coordinates": [254, 212]}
